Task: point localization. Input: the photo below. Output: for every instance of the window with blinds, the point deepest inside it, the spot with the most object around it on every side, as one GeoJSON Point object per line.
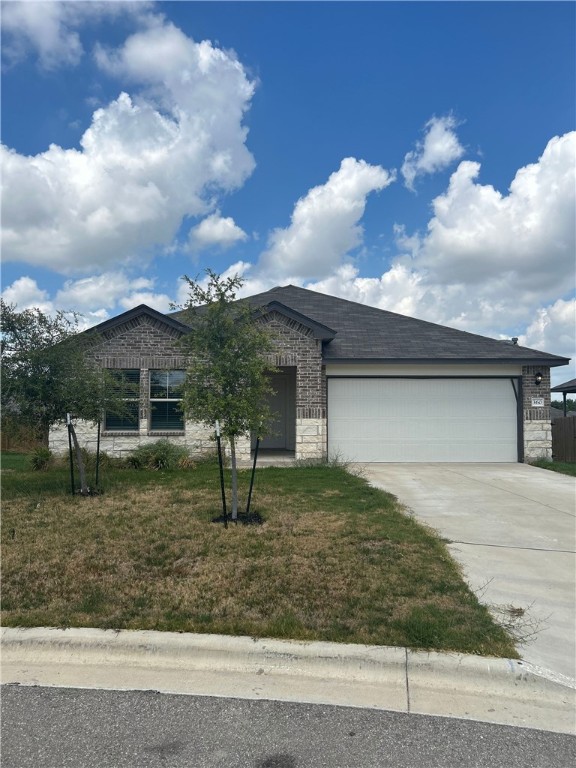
{"type": "Point", "coordinates": [165, 397]}
{"type": "Point", "coordinates": [127, 387]}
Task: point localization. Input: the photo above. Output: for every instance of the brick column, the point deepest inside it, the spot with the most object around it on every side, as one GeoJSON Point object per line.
{"type": "Point", "coordinates": [537, 426]}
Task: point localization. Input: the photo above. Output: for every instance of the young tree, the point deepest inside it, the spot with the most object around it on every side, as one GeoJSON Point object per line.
{"type": "Point", "coordinates": [46, 374]}
{"type": "Point", "coordinates": [229, 358]}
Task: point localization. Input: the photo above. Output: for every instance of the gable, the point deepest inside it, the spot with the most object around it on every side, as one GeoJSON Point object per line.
{"type": "Point", "coordinates": [294, 343]}
{"type": "Point", "coordinates": [279, 323]}
{"type": "Point", "coordinates": [296, 319]}
{"type": "Point", "coordinates": [139, 339]}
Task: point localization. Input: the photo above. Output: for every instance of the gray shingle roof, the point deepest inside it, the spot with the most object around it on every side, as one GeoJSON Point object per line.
{"type": "Point", "coordinates": [568, 386]}
{"type": "Point", "coordinates": [367, 333]}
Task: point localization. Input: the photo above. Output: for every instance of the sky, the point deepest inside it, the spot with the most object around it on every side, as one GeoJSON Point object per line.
{"type": "Point", "coordinates": [419, 157]}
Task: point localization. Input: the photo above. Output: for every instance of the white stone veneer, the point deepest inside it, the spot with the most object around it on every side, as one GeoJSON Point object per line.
{"type": "Point", "coordinates": [197, 439]}
{"type": "Point", "coordinates": [310, 438]}
{"type": "Point", "coordinates": [537, 440]}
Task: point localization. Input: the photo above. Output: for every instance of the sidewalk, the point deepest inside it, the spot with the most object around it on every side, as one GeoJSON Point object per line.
{"type": "Point", "coordinates": [504, 691]}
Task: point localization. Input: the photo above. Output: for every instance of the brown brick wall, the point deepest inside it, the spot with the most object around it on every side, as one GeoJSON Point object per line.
{"type": "Point", "coordinates": [140, 343]}
{"type": "Point", "coordinates": [531, 389]}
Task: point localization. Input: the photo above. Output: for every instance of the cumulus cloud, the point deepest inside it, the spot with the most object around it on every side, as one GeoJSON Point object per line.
{"type": "Point", "coordinates": [25, 293]}
{"type": "Point", "coordinates": [478, 234]}
{"type": "Point", "coordinates": [439, 149]}
{"type": "Point", "coordinates": [159, 301]}
{"type": "Point", "coordinates": [100, 291]}
{"type": "Point", "coordinates": [325, 223]}
{"type": "Point", "coordinates": [396, 290]}
{"type": "Point", "coordinates": [95, 298]}
{"type": "Point", "coordinates": [50, 29]}
{"type": "Point", "coordinates": [145, 163]}
{"type": "Point", "coordinates": [215, 231]}
{"type": "Point", "coordinates": [553, 329]}
{"type": "Point", "coordinates": [100, 296]}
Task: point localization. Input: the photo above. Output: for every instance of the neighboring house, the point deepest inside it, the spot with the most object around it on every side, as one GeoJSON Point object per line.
{"type": "Point", "coordinates": [567, 388]}
{"type": "Point", "coordinates": [353, 381]}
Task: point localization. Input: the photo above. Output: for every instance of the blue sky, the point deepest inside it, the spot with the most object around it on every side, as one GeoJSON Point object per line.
{"type": "Point", "coordinates": [419, 157]}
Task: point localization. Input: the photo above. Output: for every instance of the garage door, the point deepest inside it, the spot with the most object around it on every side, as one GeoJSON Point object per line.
{"type": "Point", "coordinates": [422, 419]}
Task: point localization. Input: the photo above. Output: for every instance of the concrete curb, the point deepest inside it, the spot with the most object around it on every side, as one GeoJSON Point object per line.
{"type": "Point", "coordinates": [496, 690]}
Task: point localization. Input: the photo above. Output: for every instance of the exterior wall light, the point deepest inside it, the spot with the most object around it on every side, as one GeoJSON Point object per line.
{"type": "Point", "coordinates": [538, 379]}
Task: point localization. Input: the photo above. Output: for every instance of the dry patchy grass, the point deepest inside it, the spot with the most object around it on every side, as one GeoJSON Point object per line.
{"type": "Point", "coordinates": [334, 560]}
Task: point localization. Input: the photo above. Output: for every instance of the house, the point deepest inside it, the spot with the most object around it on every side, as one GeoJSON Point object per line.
{"type": "Point", "coordinates": [353, 381]}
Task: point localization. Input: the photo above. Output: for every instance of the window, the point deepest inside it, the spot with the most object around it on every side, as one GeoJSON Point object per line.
{"type": "Point", "coordinates": [127, 386]}
{"type": "Point", "coordinates": [165, 396]}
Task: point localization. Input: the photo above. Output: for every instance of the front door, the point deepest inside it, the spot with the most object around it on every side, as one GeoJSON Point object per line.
{"type": "Point", "coordinates": [277, 439]}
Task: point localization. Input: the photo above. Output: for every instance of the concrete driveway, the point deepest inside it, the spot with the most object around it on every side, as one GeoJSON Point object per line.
{"type": "Point", "coordinates": [512, 528]}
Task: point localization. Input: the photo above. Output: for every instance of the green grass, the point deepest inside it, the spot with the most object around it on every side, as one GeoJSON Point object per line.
{"type": "Point", "coordinates": [564, 467]}
{"type": "Point", "coordinates": [334, 560]}
{"type": "Point", "coordinates": [14, 461]}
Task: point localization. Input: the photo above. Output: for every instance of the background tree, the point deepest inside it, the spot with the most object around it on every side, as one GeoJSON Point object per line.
{"type": "Point", "coordinates": [229, 351]}
{"type": "Point", "coordinates": [47, 373]}
{"type": "Point", "coordinates": [570, 404]}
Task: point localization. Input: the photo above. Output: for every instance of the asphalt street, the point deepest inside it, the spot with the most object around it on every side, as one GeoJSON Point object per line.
{"type": "Point", "coordinates": [80, 728]}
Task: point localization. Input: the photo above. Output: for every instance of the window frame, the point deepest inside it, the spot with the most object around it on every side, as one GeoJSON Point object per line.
{"type": "Point", "coordinates": [125, 381]}
{"type": "Point", "coordinates": [167, 399]}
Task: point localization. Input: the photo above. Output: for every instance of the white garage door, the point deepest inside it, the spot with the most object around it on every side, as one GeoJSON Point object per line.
{"type": "Point", "coordinates": [422, 419]}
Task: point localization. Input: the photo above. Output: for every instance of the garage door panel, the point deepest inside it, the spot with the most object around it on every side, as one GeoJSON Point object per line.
{"type": "Point", "coordinates": [422, 420]}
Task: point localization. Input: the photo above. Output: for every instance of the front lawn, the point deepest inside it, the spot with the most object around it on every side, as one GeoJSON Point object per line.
{"type": "Point", "coordinates": [334, 560]}
{"type": "Point", "coordinates": [11, 461]}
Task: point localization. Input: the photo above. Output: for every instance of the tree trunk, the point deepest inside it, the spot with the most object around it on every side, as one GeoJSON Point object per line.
{"type": "Point", "coordinates": [84, 490]}
{"type": "Point", "coordinates": [234, 478]}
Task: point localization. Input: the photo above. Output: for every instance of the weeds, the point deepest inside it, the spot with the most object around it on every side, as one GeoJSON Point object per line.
{"type": "Point", "coordinates": [519, 623]}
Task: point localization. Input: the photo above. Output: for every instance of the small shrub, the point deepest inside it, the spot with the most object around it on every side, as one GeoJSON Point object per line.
{"type": "Point", "coordinates": [41, 459]}
{"type": "Point", "coordinates": [105, 460]}
{"type": "Point", "coordinates": [159, 455]}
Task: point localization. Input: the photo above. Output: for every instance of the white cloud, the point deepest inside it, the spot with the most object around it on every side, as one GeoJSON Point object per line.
{"type": "Point", "coordinates": [215, 230]}
{"type": "Point", "coordinates": [25, 293]}
{"type": "Point", "coordinates": [50, 29]}
{"type": "Point", "coordinates": [553, 329]}
{"type": "Point", "coordinates": [439, 149]}
{"type": "Point", "coordinates": [145, 164]}
{"type": "Point", "coordinates": [95, 298]}
{"type": "Point", "coordinates": [325, 223]}
{"type": "Point", "coordinates": [478, 235]}
{"type": "Point", "coordinates": [158, 301]}
{"type": "Point", "coordinates": [99, 291]}
{"type": "Point", "coordinates": [396, 290]}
